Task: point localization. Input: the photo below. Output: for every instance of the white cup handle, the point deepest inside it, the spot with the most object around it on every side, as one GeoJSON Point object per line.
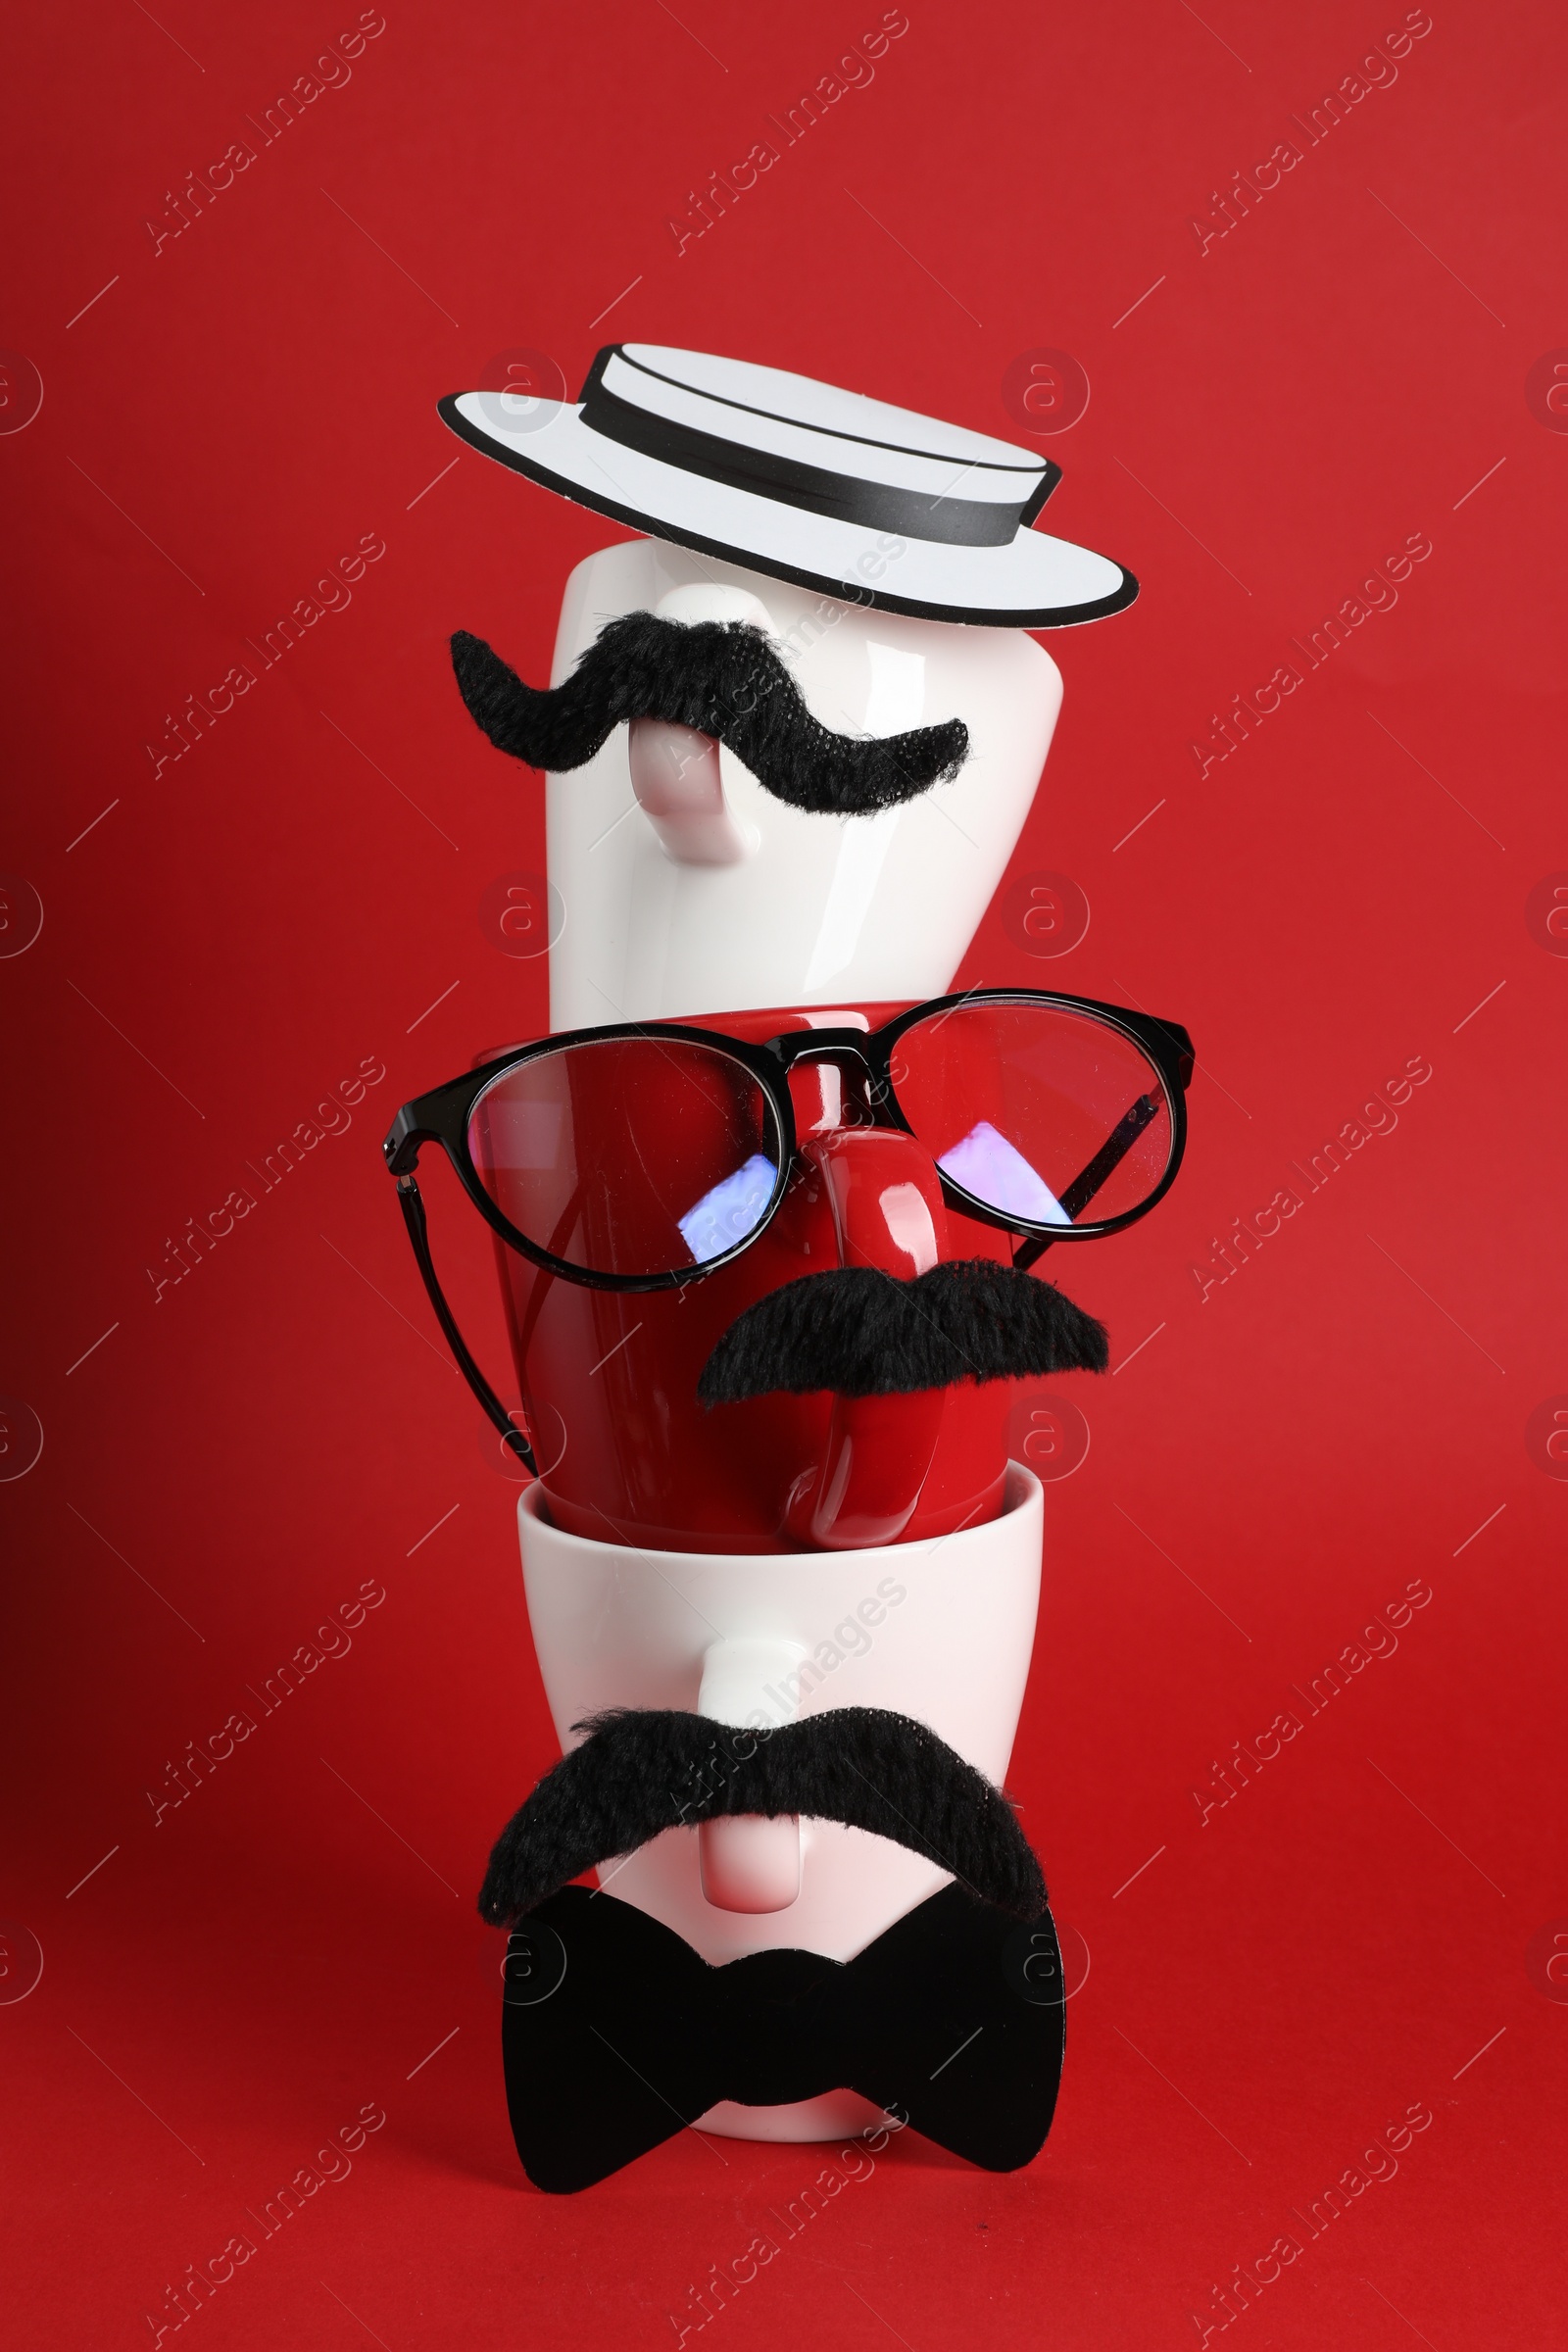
{"type": "Point", "coordinates": [676, 776]}
{"type": "Point", "coordinates": [751, 1861]}
{"type": "Point", "coordinates": [676, 771]}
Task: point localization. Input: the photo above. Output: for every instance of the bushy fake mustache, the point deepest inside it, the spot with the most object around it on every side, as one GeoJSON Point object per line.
{"type": "Point", "coordinates": [863, 1333]}
{"type": "Point", "coordinates": [646, 1770]}
{"type": "Point", "coordinates": [722, 678]}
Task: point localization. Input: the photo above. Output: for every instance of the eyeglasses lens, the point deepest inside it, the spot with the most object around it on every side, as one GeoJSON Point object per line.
{"type": "Point", "coordinates": [1039, 1112]}
{"type": "Point", "coordinates": [628, 1155]}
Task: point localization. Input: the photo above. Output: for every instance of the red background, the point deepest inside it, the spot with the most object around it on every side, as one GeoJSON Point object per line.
{"type": "Point", "coordinates": [1284, 409]}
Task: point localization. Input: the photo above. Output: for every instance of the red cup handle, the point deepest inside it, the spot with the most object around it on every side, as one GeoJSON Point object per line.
{"type": "Point", "coordinates": [888, 1211]}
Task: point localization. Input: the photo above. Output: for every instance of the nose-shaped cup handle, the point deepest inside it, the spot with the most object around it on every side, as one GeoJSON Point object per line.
{"type": "Point", "coordinates": [751, 1861]}
{"type": "Point", "coordinates": [675, 775]}
{"type": "Point", "coordinates": [888, 1212]}
{"type": "Point", "coordinates": [676, 771]}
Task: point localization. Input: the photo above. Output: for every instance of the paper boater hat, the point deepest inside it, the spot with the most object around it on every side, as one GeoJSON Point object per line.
{"type": "Point", "coordinates": [807, 483]}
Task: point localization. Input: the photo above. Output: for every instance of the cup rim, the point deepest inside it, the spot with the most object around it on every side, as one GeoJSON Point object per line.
{"type": "Point", "coordinates": [1021, 1490]}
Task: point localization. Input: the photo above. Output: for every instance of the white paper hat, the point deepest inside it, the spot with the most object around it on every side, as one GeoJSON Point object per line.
{"type": "Point", "coordinates": [807, 483]}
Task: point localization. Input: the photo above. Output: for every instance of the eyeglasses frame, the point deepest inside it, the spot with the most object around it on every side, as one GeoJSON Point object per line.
{"type": "Point", "coordinates": [443, 1114]}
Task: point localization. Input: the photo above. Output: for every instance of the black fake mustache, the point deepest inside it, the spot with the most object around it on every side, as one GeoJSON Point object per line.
{"type": "Point", "coordinates": [724, 679]}
{"type": "Point", "coordinates": [642, 1771]}
{"type": "Point", "coordinates": [863, 1333]}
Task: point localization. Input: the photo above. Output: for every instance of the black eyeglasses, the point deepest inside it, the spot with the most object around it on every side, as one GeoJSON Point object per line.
{"type": "Point", "coordinates": [649, 1154]}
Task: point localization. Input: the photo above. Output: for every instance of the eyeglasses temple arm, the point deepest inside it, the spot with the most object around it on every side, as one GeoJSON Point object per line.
{"type": "Point", "coordinates": [413, 1207]}
{"type": "Point", "coordinates": [1087, 1182]}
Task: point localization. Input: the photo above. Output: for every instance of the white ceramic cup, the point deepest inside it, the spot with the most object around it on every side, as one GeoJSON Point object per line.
{"type": "Point", "coordinates": [681, 891]}
{"type": "Point", "coordinates": [941, 1631]}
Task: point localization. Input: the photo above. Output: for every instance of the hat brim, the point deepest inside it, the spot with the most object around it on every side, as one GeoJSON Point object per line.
{"type": "Point", "coordinates": [1032, 583]}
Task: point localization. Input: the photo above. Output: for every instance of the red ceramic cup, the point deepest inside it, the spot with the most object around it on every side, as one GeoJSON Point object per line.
{"type": "Point", "coordinates": [609, 1379]}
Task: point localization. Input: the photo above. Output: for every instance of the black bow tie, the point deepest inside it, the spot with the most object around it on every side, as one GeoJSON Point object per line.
{"type": "Point", "coordinates": [615, 2034]}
